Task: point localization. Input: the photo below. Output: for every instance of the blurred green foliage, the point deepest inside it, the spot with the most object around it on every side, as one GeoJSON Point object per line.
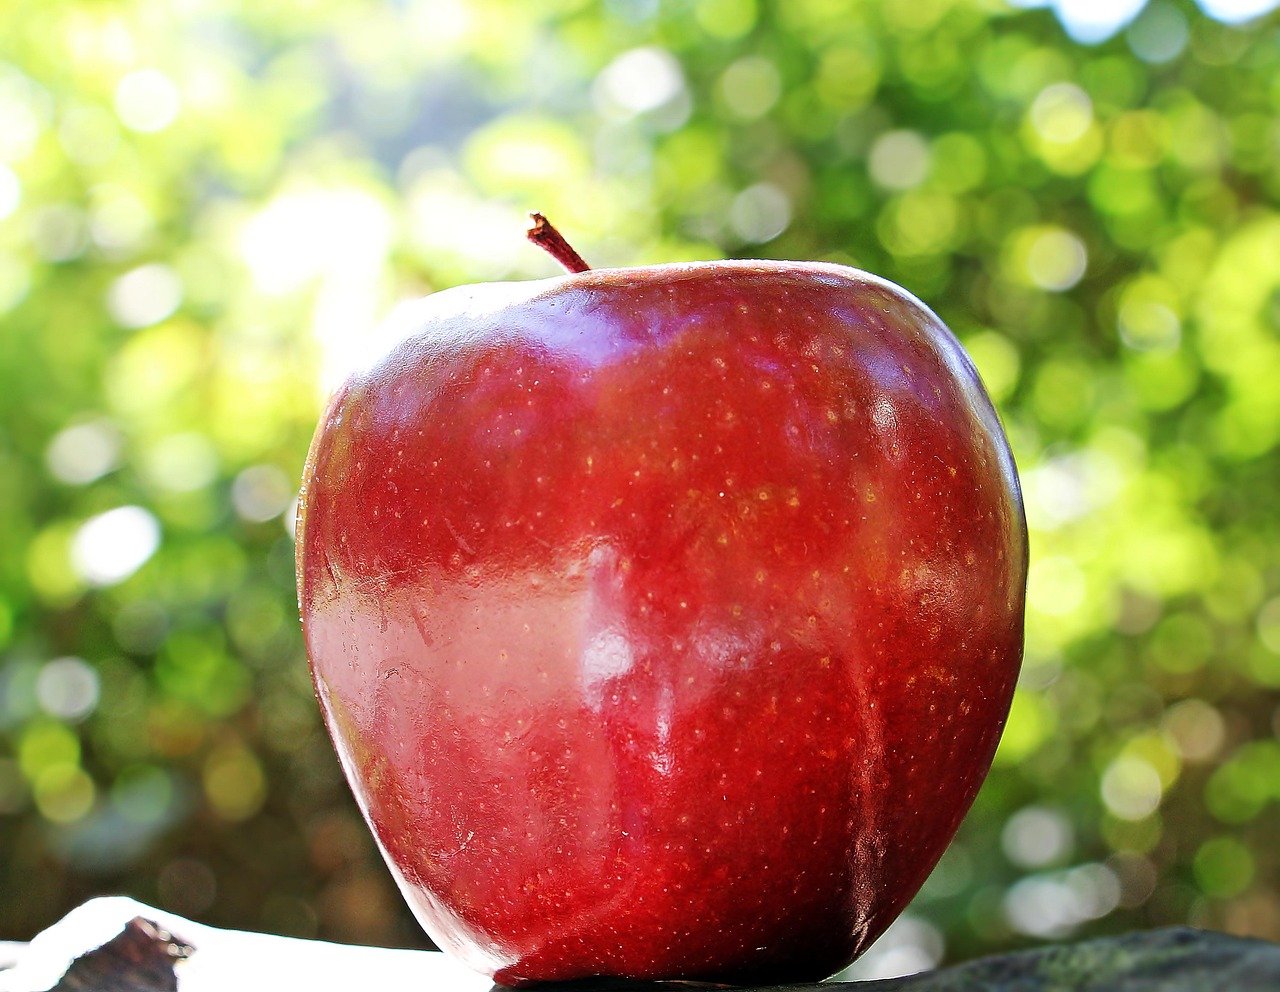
{"type": "Point", "coordinates": [206, 205]}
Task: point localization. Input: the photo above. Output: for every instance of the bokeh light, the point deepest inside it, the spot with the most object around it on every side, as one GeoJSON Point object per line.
{"type": "Point", "coordinates": [68, 688]}
{"type": "Point", "coordinates": [83, 452]}
{"type": "Point", "coordinates": [111, 546]}
{"type": "Point", "coordinates": [147, 100]}
{"type": "Point", "coordinates": [144, 296]}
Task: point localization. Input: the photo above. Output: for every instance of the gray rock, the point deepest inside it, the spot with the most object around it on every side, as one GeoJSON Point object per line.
{"type": "Point", "coordinates": [1178, 959]}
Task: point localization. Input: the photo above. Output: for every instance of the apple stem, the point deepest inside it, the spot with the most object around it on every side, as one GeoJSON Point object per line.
{"type": "Point", "coordinates": [543, 234]}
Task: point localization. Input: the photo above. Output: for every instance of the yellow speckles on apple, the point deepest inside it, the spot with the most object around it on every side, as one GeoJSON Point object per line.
{"type": "Point", "coordinates": [735, 611]}
{"type": "Point", "coordinates": [760, 576]}
{"type": "Point", "coordinates": [824, 661]}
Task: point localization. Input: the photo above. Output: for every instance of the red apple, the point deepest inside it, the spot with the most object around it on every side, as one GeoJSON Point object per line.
{"type": "Point", "coordinates": [665, 619]}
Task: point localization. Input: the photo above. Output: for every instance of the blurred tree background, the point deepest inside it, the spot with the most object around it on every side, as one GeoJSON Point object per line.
{"type": "Point", "coordinates": [205, 205]}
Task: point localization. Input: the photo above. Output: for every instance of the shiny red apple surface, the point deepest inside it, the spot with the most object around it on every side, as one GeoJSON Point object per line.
{"type": "Point", "coordinates": [665, 620]}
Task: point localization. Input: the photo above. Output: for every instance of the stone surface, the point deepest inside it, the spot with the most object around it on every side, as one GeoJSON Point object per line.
{"type": "Point", "coordinates": [203, 959]}
{"type": "Point", "coordinates": [1177, 959]}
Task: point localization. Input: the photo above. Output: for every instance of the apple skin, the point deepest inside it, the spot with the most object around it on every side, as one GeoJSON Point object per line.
{"type": "Point", "coordinates": [665, 620]}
